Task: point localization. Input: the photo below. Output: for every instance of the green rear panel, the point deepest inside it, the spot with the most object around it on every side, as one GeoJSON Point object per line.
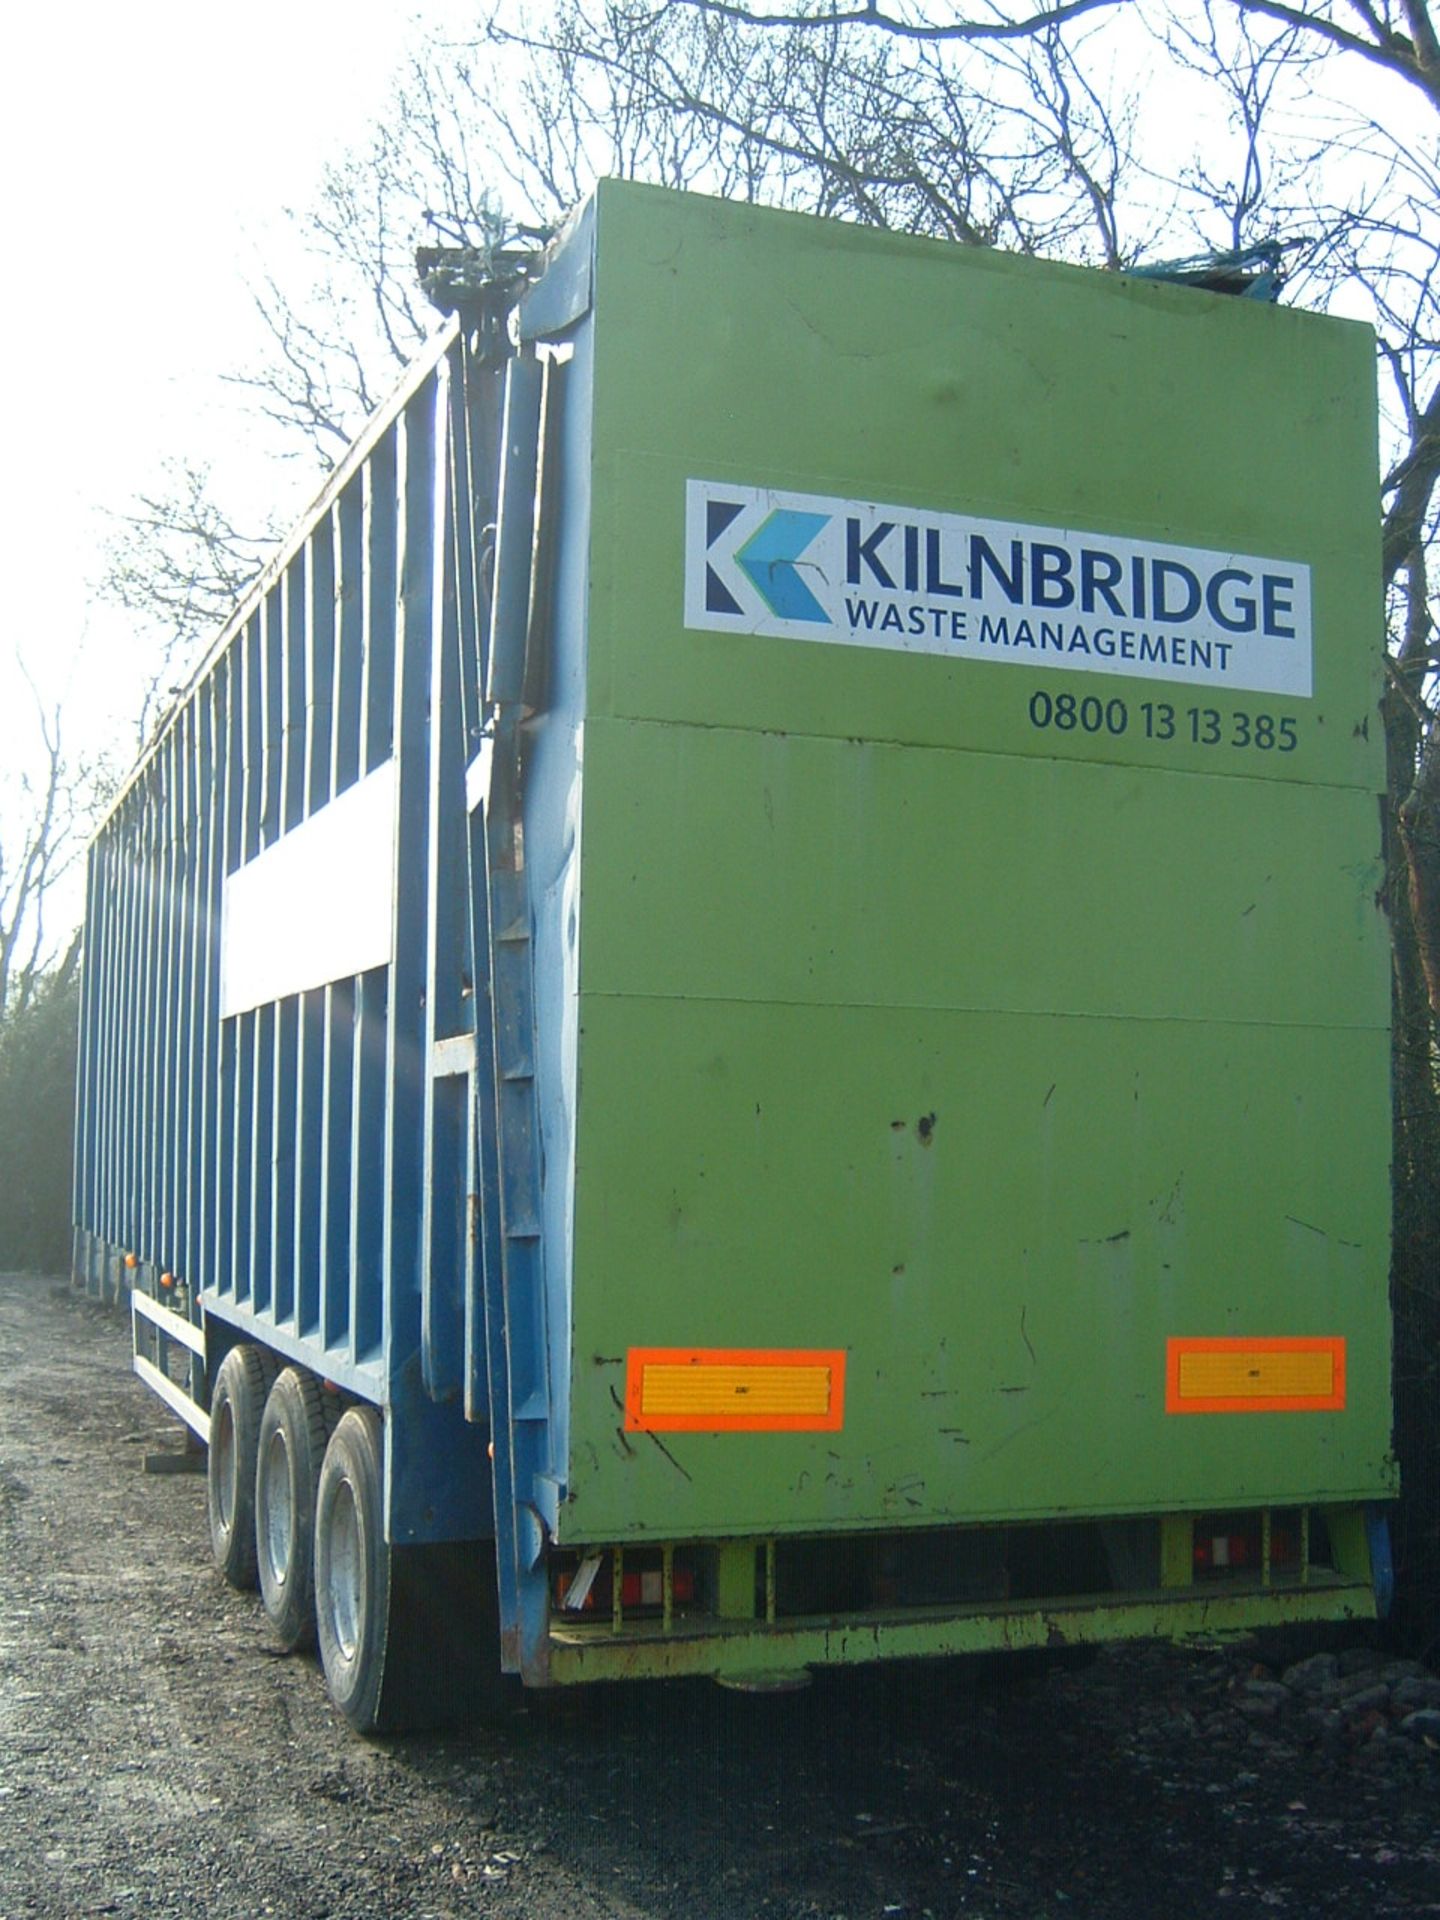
{"type": "Point", "coordinates": [1135, 986]}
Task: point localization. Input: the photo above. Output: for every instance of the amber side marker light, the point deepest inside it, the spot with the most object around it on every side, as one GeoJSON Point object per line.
{"type": "Point", "coordinates": [1255, 1376]}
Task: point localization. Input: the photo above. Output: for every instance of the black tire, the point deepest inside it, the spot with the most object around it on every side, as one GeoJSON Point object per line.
{"type": "Point", "coordinates": [409, 1636]}
{"type": "Point", "coordinates": [237, 1405]}
{"type": "Point", "coordinates": [298, 1419]}
{"type": "Point", "coordinates": [352, 1570]}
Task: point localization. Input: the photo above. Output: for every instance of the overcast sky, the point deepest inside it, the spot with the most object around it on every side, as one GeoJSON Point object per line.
{"type": "Point", "coordinates": [146, 153]}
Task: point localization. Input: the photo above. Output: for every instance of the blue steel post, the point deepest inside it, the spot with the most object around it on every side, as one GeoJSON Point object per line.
{"type": "Point", "coordinates": [284, 1197]}
{"type": "Point", "coordinates": [225, 1274]}
{"type": "Point", "coordinates": [83, 1264]}
{"type": "Point", "coordinates": [525, 1391]}
{"type": "Point", "coordinates": [186, 905]}
{"type": "Point", "coordinates": [347, 549]}
{"type": "Point", "coordinates": [244, 1026]}
{"type": "Point", "coordinates": [118, 927]}
{"type": "Point", "coordinates": [122, 918]}
{"type": "Point", "coordinates": [316, 1003]}
{"type": "Point", "coordinates": [192, 1092]}
{"type": "Point", "coordinates": [128, 873]}
{"type": "Point", "coordinates": [367, 1154]}
{"type": "Point", "coordinates": [132, 1085]}
{"type": "Point", "coordinates": [413, 1480]}
{"type": "Point", "coordinates": [267, 1019]}
{"type": "Point", "coordinates": [210, 878]}
{"type": "Point", "coordinates": [447, 1071]}
{"type": "Point", "coordinates": [473, 441]}
{"type": "Point", "coordinates": [175, 1006]}
{"type": "Point", "coordinates": [404, 1123]}
{"type": "Point", "coordinates": [157, 797]}
{"type": "Point", "coordinates": [141, 1233]}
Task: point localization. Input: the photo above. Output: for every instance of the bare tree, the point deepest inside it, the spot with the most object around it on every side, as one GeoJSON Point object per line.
{"type": "Point", "coordinates": [177, 565]}
{"type": "Point", "coordinates": [337, 338]}
{"type": "Point", "coordinates": [508, 132]}
{"type": "Point", "coordinates": [887, 129]}
{"type": "Point", "coordinates": [42, 826]}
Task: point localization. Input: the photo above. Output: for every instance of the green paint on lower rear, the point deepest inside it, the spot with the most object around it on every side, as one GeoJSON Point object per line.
{"type": "Point", "coordinates": [720, 1650]}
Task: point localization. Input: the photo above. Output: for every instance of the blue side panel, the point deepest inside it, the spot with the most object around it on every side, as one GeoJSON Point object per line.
{"type": "Point", "coordinates": [373, 1176]}
{"type": "Point", "coordinates": [277, 1162]}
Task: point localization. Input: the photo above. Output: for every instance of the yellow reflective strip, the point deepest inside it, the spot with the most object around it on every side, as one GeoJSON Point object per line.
{"type": "Point", "coordinates": [733, 1389]}
{"type": "Point", "coordinates": [1244, 1376]}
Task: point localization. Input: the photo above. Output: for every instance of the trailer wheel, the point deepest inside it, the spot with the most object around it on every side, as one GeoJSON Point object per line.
{"type": "Point", "coordinates": [352, 1569]}
{"type": "Point", "coordinates": [236, 1407]}
{"type": "Point", "coordinates": [298, 1419]}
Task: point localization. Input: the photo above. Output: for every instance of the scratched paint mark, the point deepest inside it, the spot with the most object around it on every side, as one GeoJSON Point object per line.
{"type": "Point", "coordinates": [670, 1457]}
{"type": "Point", "coordinates": [1034, 1361]}
{"type": "Point", "coordinates": [1166, 1215]}
{"type": "Point", "coordinates": [1027, 1426]}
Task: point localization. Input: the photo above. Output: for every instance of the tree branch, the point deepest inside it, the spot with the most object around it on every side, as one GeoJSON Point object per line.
{"type": "Point", "coordinates": [1413, 482]}
{"type": "Point", "coordinates": [1392, 51]}
{"type": "Point", "coordinates": [870, 15]}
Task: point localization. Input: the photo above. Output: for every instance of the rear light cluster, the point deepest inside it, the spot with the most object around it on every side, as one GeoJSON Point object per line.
{"type": "Point", "coordinates": [639, 1588]}
{"type": "Point", "coordinates": [1238, 1546]}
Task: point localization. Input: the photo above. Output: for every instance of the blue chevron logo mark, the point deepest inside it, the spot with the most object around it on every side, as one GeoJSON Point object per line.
{"type": "Point", "coordinates": [771, 556]}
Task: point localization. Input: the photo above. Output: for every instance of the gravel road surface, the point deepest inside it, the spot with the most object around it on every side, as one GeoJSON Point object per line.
{"type": "Point", "coordinates": [157, 1757]}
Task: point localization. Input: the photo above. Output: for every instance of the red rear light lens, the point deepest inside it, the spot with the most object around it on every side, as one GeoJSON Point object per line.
{"type": "Point", "coordinates": [1231, 1546]}
{"type": "Point", "coordinates": [639, 1588]}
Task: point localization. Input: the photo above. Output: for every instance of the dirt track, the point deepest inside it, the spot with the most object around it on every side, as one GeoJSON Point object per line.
{"type": "Point", "coordinates": [156, 1758]}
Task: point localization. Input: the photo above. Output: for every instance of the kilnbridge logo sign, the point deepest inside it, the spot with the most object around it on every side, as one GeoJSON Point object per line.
{"type": "Point", "coordinates": [856, 573]}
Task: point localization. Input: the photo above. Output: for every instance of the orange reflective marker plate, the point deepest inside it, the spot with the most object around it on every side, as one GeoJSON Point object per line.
{"type": "Point", "coordinates": [1255, 1376]}
{"type": "Point", "coordinates": [734, 1389]}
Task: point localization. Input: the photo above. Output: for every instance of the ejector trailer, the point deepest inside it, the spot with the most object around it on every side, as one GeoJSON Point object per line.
{"type": "Point", "coordinates": [741, 1021]}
